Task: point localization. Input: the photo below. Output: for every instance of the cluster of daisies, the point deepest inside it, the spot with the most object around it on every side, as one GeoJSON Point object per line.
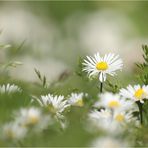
{"type": "Point", "coordinates": [50, 111]}
{"type": "Point", "coordinates": [111, 113]}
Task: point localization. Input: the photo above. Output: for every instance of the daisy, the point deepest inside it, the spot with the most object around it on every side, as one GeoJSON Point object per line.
{"type": "Point", "coordinates": [135, 93]}
{"type": "Point", "coordinates": [76, 99]}
{"type": "Point", "coordinates": [120, 117]}
{"type": "Point", "coordinates": [111, 121]}
{"type": "Point", "coordinates": [100, 114]}
{"type": "Point", "coordinates": [108, 142]}
{"type": "Point", "coordinates": [33, 117]}
{"type": "Point", "coordinates": [55, 104]}
{"type": "Point", "coordinates": [114, 101]}
{"type": "Point", "coordinates": [13, 131]}
{"type": "Point", "coordinates": [102, 66]}
{"type": "Point", "coordinates": [9, 88]}
{"type": "Point", "coordinates": [124, 117]}
{"type": "Point", "coordinates": [100, 120]}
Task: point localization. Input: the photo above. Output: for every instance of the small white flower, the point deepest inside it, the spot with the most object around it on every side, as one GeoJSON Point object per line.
{"type": "Point", "coordinates": [100, 120]}
{"type": "Point", "coordinates": [135, 93]}
{"type": "Point", "coordinates": [111, 121]}
{"type": "Point", "coordinates": [33, 117]}
{"type": "Point", "coordinates": [76, 99]}
{"type": "Point", "coordinates": [108, 142]}
{"type": "Point", "coordinates": [102, 66]}
{"type": "Point", "coordinates": [9, 88]}
{"type": "Point", "coordinates": [55, 104]}
{"type": "Point", "coordinates": [13, 131]}
{"type": "Point", "coordinates": [124, 117]}
{"type": "Point", "coordinates": [100, 114]}
{"type": "Point", "coordinates": [114, 101]}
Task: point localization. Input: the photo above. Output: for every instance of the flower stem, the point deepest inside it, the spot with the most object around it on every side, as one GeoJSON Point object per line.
{"type": "Point", "coordinates": [101, 87]}
{"type": "Point", "coordinates": [140, 111]}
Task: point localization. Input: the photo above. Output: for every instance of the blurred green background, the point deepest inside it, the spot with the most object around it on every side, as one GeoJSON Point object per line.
{"type": "Point", "coordinates": [60, 32]}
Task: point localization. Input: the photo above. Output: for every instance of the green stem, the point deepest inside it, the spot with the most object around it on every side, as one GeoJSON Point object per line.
{"type": "Point", "coordinates": [140, 111]}
{"type": "Point", "coordinates": [101, 87]}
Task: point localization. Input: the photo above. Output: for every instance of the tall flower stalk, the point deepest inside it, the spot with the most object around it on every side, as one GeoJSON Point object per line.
{"type": "Point", "coordinates": [101, 87]}
{"type": "Point", "coordinates": [137, 94]}
{"type": "Point", "coordinates": [140, 106]}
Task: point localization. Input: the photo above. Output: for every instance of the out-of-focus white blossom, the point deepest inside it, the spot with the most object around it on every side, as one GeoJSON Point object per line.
{"type": "Point", "coordinates": [108, 142]}
{"type": "Point", "coordinates": [9, 88]}
{"type": "Point", "coordinates": [115, 102]}
{"type": "Point", "coordinates": [13, 131]}
{"type": "Point", "coordinates": [110, 121]}
{"type": "Point", "coordinates": [76, 99]}
{"type": "Point", "coordinates": [33, 117]}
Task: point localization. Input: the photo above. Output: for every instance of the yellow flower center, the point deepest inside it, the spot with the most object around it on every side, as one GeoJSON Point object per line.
{"type": "Point", "coordinates": [113, 104]}
{"type": "Point", "coordinates": [102, 66]}
{"type": "Point", "coordinates": [33, 119]}
{"type": "Point", "coordinates": [119, 118]}
{"type": "Point", "coordinates": [139, 93]}
{"type": "Point", "coordinates": [79, 103]}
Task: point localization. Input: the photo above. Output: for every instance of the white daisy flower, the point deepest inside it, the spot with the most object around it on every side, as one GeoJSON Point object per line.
{"type": "Point", "coordinates": [111, 121]}
{"type": "Point", "coordinates": [102, 66]}
{"type": "Point", "coordinates": [33, 117]}
{"type": "Point", "coordinates": [124, 117]}
{"type": "Point", "coordinates": [114, 101]}
{"type": "Point", "coordinates": [76, 99]}
{"type": "Point", "coordinates": [9, 88]}
{"type": "Point", "coordinates": [108, 142]}
{"type": "Point", "coordinates": [13, 131]}
{"type": "Point", "coordinates": [55, 104]}
{"type": "Point", "coordinates": [100, 120]}
{"type": "Point", "coordinates": [135, 93]}
{"type": "Point", "coordinates": [100, 114]}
